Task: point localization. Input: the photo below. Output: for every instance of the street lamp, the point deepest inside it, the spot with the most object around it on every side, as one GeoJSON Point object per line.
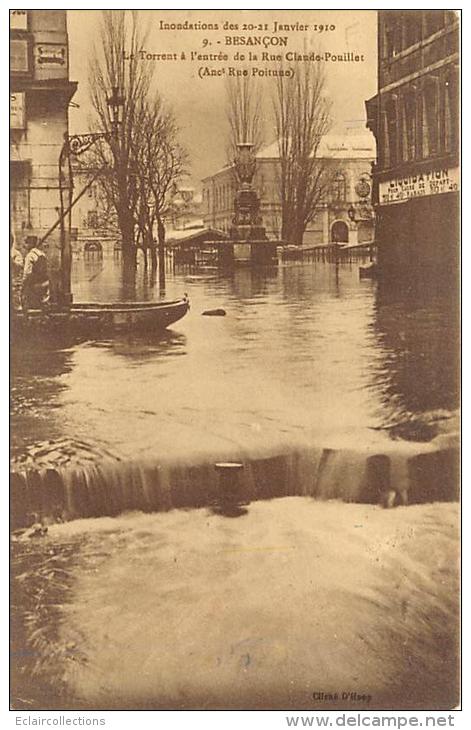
{"type": "Point", "coordinates": [116, 107]}
{"type": "Point", "coordinates": [75, 145]}
{"type": "Point", "coordinates": [351, 213]}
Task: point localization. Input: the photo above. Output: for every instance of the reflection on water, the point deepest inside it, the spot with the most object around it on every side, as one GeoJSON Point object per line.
{"type": "Point", "coordinates": [36, 387]}
{"type": "Point", "coordinates": [307, 353]}
{"type": "Point", "coordinates": [305, 348]}
{"type": "Point", "coordinates": [419, 335]}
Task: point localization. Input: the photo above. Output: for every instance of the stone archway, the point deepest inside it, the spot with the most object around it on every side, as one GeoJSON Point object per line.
{"type": "Point", "coordinates": [339, 232]}
{"type": "Point", "coordinates": [93, 247]}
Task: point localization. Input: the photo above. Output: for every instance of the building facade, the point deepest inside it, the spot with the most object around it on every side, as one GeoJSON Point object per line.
{"type": "Point", "coordinates": [185, 210]}
{"type": "Point", "coordinates": [415, 120]}
{"type": "Point", "coordinates": [40, 93]}
{"type": "Point", "coordinates": [94, 224]}
{"type": "Point", "coordinates": [94, 221]}
{"type": "Point", "coordinates": [344, 216]}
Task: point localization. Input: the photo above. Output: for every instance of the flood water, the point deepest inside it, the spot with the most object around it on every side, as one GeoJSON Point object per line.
{"type": "Point", "coordinates": [305, 348]}
{"type": "Point", "coordinates": [306, 354]}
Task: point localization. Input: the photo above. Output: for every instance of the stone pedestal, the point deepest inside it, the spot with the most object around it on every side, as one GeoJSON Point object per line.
{"type": "Point", "coordinates": [255, 253]}
{"type": "Point", "coordinates": [246, 253]}
{"type": "Point", "coordinates": [248, 244]}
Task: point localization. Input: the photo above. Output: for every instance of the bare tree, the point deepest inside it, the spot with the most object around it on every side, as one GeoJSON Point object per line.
{"type": "Point", "coordinates": [244, 113]}
{"type": "Point", "coordinates": [144, 161]}
{"type": "Point", "coordinates": [160, 164]}
{"type": "Point", "coordinates": [302, 118]}
{"type": "Point", "coordinates": [116, 63]}
{"type": "Point", "coordinates": [90, 171]}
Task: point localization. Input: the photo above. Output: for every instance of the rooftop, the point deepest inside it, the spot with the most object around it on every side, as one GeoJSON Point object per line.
{"type": "Point", "coordinates": [334, 146]}
{"type": "Point", "coordinates": [338, 146]}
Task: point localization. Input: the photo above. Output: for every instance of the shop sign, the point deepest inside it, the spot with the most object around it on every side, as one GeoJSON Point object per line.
{"type": "Point", "coordinates": [18, 20]}
{"type": "Point", "coordinates": [431, 182]}
{"type": "Point", "coordinates": [49, 54]}
{"type": "Point", "coordinates": [17, 111]}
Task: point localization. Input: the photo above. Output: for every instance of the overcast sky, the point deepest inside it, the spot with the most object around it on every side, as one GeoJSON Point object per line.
{"type": "Point", "coordinates": [199, 103]}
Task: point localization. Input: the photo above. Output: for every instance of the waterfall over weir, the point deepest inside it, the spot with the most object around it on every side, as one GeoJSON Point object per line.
{"type": "Point", "coordinates": [416, 472]}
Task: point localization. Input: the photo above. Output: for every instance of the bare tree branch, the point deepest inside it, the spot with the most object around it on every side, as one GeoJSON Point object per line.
{"type": "Point", "coordinates": [244, 113]}
{"type": "Point", "coordinates": [302, 118]}
{"type": "Point", "coordinates": [145, 160]}
{"type": "Point", "coordinates": [115, 62]}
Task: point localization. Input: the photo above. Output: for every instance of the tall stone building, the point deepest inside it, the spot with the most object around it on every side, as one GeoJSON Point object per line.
{"type": "Point", "coordinates": [415, 119]}
{"type": "Point", "coordinates": [40, 93]}
{"type": "Point", "coordinates": [345, 214]}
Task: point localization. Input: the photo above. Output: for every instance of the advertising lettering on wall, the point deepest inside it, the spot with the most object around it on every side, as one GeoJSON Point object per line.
{"type": "Point", "coordinates": [17, 110]}
{"type": "Point", "coordinates": [430, 182]}
{"type": "Point", "coordinates": [49, 54]}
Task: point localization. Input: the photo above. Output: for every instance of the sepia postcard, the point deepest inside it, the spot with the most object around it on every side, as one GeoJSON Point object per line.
{"type": "Point", "coordinates": [235, 357]}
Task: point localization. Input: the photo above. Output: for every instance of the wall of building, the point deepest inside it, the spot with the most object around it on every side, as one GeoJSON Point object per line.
{"type": "Point", "coordinates": [94, 222]}
{"type": "Point", "coordinates": [219, 192]}
{"type": "Point", "coordinates": [40, 95]}
{"type": "Point", "coordinates": [350, 188]}
{"type": "Point", "coordinates": [94, 227]}
{"type": "Point", "coordinates": [415, 118]}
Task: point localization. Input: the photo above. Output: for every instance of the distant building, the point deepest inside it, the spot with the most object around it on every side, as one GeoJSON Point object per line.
{"type": "Point", "coordinates": [94, 225]}
{"type": "Point", "coordinates": [185, 209]}
{"type": "Point", "coordinates": [415, 119]}
{"type": "Point", "coordinates": [94, 220]}
{"type": "Point", "coordinates": [346, 215]}
{"type": "Point", "coordinates": [40, 93]}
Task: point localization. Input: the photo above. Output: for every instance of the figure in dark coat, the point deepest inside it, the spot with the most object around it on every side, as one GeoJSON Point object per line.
{"type": "Point", "coordinates": [35, 293]}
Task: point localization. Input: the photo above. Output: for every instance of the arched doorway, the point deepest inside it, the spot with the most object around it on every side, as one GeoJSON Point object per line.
{"type": "Point", "coordinates": [93, 248]}
{"type": "Point", "coordinates": [339, 232]}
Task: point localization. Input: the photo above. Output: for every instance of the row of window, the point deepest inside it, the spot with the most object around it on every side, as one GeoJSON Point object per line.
{"type": "Point", "coordinates": [402, 29]}
{"type": "Point", "coordinates": [223, 197]}
{"type": "Point", "coordinates": [419, 123]}
{"type": "Point", "coordinates": [339, 191]}
{"type": "Point", "coordinates": [224, 194]}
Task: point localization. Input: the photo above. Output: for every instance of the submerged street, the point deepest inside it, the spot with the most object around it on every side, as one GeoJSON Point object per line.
{"type": "Point", "coordinates": [235, 361]}
{"type": "Point", "coordinates": [304, 349]}
{"type": "Point", "coordinates": [309, 377]}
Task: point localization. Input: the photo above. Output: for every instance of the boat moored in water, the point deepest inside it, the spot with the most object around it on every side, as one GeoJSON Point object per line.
{"type": "Point", "coordinates": [97, 318]}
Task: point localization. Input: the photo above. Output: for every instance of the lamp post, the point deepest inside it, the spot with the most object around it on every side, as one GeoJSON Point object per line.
{"type": "Point", "coordinates": [116, 106]}
{"type": "Point", "coordinates": [75, 145]}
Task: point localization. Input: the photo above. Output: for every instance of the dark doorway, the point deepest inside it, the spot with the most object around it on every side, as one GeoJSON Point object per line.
{"type": "Point", "coordinates": [339, 232]}
{"type": "Point", "coordinates": [93, 248]}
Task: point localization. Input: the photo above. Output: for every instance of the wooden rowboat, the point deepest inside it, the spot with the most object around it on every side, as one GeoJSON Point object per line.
{"type": "Point", "coordinates": [100, 318]}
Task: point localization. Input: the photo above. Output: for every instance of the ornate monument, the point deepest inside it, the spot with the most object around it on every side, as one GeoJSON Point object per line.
{"type": "Point", "coordinates": [248, 242]}
{"type": "Point", "coordinates": [247, 219]}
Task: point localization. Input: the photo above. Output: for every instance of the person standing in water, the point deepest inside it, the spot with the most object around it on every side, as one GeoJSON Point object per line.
{"type": "Point", "coordinates": [35, 292]}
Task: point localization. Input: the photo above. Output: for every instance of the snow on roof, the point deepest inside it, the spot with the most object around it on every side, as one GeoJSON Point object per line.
{"type": "Point", "coordinates": [337, 146]}
{"type": "Point", "coordinates": [194, 223]}
{"type": "Point", "coordinates": [334, 146]}
{"type": "Point", "coordinates": [177, 235]}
